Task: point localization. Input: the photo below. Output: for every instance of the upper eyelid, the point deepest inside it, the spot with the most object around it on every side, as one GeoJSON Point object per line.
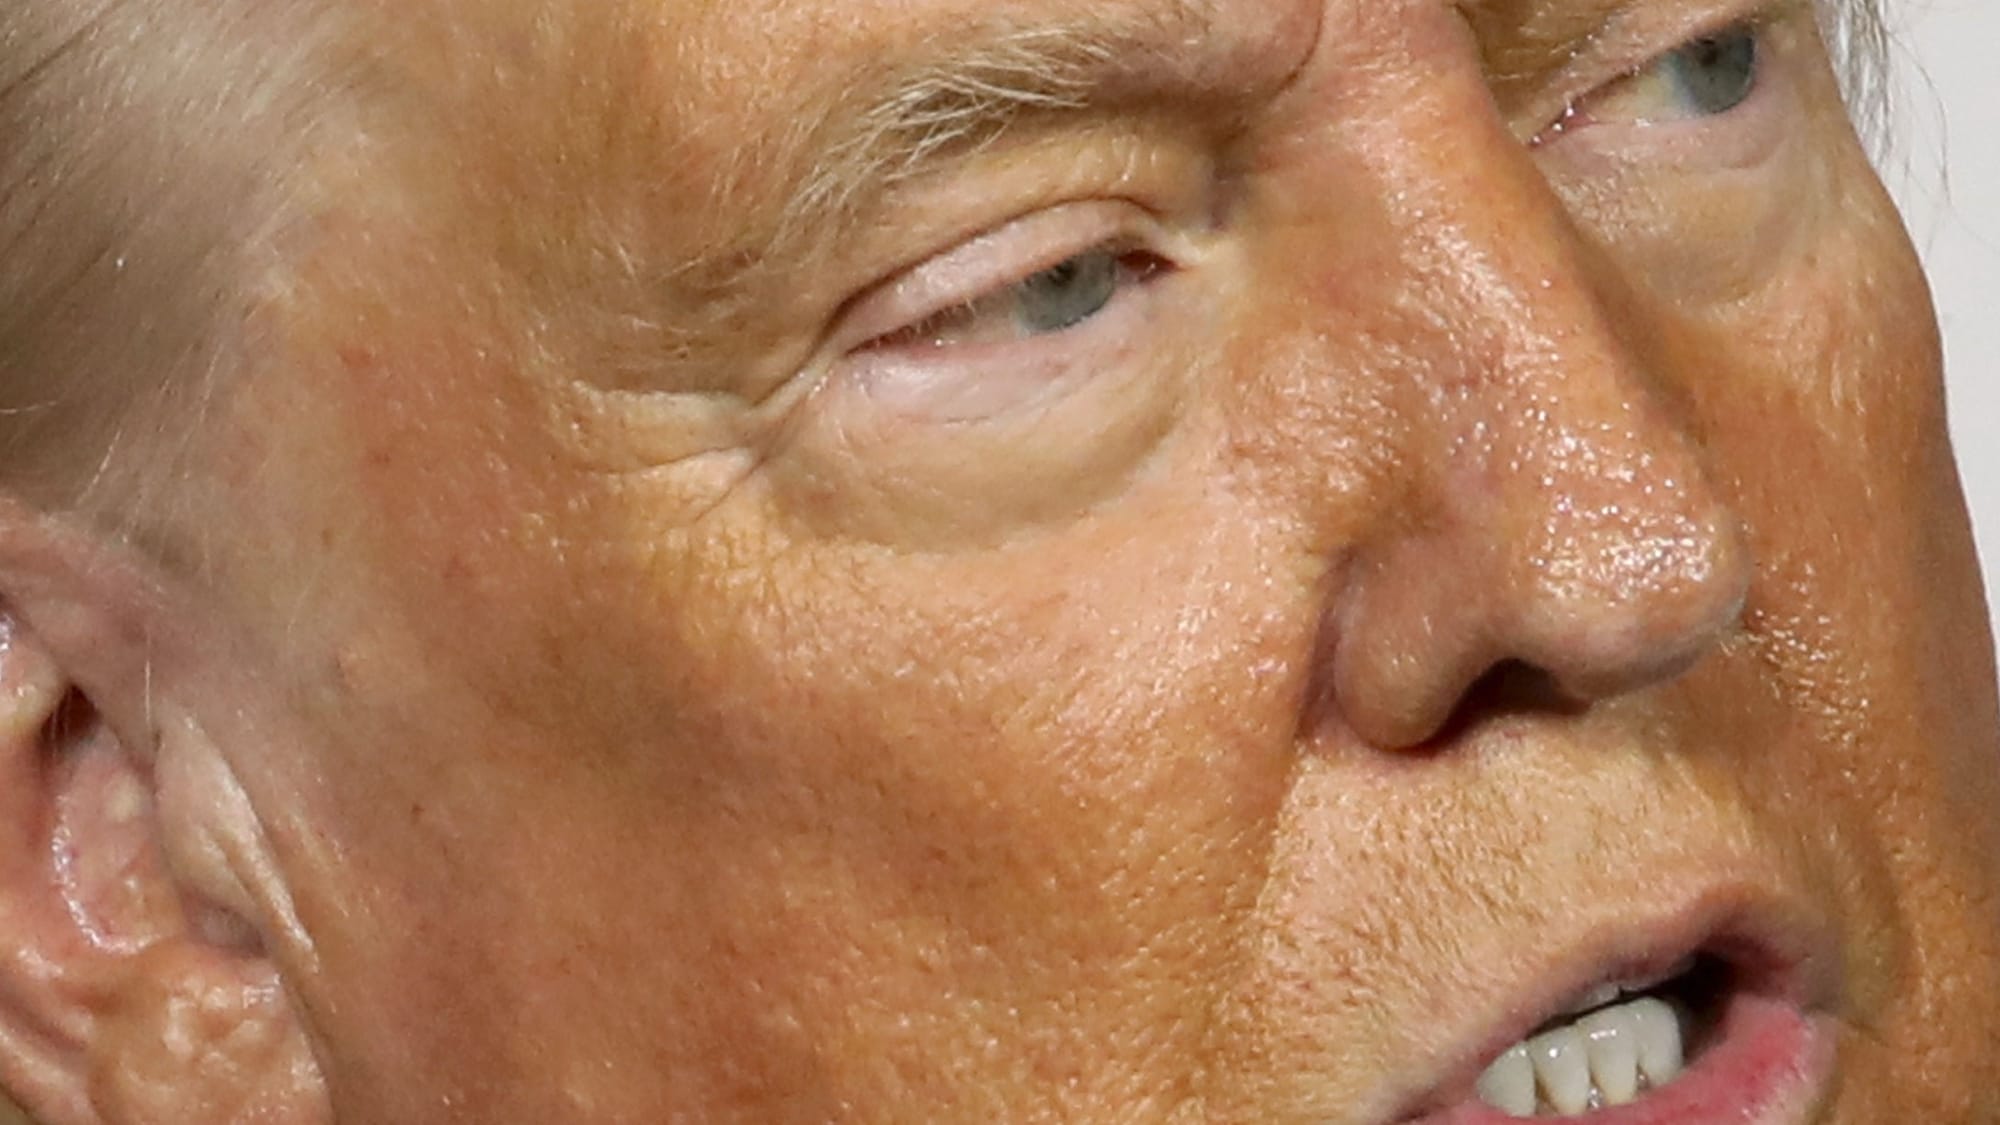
{"type": "Point", "coordinates": [967, 272]}
{"type": "Point", "coordinates": [1638, 38]}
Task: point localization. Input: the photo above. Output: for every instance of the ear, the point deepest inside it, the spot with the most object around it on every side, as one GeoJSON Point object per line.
{"type": "Point", "coordinates": [134, 987]}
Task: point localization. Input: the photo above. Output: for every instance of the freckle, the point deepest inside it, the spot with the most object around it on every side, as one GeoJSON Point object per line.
{"type": "Point", "coordinates": [346, 669]}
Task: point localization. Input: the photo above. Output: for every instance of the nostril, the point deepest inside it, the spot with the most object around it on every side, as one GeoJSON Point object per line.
{"type": "Point", "coordinates": [1547, 611]}
{"type": "Point", "coordinates": [1511, 687]}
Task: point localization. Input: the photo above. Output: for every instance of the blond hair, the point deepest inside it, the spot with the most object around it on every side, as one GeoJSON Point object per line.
{"type": "Point", "coordinates": [145, 150]}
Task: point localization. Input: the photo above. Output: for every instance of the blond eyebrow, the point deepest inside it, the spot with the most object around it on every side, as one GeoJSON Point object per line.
{"type": "Point", "coordinates": [984, 80]}
{"type": "Point", "coordinates": [949, 96]}
{"type": "Point", "coordinates": [954, 102]}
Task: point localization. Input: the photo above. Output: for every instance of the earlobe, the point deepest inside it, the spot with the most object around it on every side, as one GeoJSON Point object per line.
{"type": "Point", "coordinates": [126, 995]}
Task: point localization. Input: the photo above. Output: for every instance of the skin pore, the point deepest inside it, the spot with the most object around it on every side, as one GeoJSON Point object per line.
{"type": "Point", "coordinates": [670, 626]}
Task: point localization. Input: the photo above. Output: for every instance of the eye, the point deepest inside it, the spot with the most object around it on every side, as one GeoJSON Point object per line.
{"type": "Point", "coordinates": [1049, 301]}
{"type": "Point", "coordinates": [1067, 293]}
{"type": "Point", "coordinates": [1716, 73]}
{"type": "Point", "coordinates": [1017, 378]}
{"type": "Point", "coordinates": [1019, 318]}
{"type": "Point", "coordinates": [1704, 78]}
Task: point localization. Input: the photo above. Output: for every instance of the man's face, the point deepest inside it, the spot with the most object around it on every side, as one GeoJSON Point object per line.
{"type": "Point", "coordinates": [924, 560]}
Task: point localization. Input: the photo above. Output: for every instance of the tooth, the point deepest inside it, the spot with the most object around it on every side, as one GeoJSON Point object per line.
{"type": "Point", "coordinates": [1659, 1040]}
{"type": "Point", "coordinates": [1611, 1041]}
{"type": "Point", "coordinates": [1509, 1084]}
{"type": "Point", "coordinates": [1596, 998]}
{"type": "Point", "coordinates": [1562, 1067]}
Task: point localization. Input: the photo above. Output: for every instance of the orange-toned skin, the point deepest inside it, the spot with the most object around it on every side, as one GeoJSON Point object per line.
{"type": "Point", "coordinates": [1484, 545]}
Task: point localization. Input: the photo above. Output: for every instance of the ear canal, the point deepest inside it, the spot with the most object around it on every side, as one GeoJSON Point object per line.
{"type": "Point", "coordinates": [107, 862]}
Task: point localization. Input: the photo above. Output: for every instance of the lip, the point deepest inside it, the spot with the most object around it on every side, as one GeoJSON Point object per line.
{"type": "Point", "coordinates": [1767, 1067]}
{"type": "Point", "coordinates": [1773, 1052]}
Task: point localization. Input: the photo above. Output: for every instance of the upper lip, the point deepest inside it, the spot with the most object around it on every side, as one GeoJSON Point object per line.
{"type": "Point", "coordinates": [1774, 946]}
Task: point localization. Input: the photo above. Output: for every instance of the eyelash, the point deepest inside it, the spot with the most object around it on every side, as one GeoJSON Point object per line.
{"type": "Point", "coordinates": [1124, 269]}
{"type": "Point", "coordinates": [1037, 309]}
{"type": "Point", "coordinates": [1049, 274]}
{"type": "Point", "coordinates": [1750, 35]}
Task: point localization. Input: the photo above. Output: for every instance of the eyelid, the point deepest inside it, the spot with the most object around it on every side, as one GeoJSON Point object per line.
{"type": "Point", "coordinates": [1643, 36]}
{"type": "Point", "coordinates": [1004, 256]}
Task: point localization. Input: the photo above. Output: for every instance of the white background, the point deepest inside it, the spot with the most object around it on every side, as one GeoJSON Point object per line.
{"type": "Point", "coordinates": [1944, 167]}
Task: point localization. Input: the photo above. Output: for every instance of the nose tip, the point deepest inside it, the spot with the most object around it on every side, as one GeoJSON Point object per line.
{"type": "Point", "coordinates": [1602, 582]}
{"type": "Point", "coordinates": [1619, 607]}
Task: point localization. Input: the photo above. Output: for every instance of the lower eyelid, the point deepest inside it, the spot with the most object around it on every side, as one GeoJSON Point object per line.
{"type": "Point", "coordinates": [962, 383]}
{"type": "Point", "coordinates": [1735, 138]}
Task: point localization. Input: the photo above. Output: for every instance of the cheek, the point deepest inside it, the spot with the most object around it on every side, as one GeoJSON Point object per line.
{"type": "Point", "coordinates": [1746, 229]}
{"type": "Point", "coordinates": [1048, 776]}
{"type": "Point", "coordinates": [1078, 709]}
{"type": "Point", "coordinates": [1815, 398]}
{"type": "Point", "coordinates": [1864, 616]}
{"type": "Point", "coordinates": [812, 778]}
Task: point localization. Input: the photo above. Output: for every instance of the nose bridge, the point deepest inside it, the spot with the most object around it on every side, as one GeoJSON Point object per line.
{"type": "Point", "coordinates": [1568, 451]}
{"type": "Point", "coordinates": [1572, 524]}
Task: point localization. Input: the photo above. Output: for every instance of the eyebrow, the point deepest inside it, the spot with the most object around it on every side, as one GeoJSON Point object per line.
{"type": "Point", "coordinates": [969, 94]}
{"type": "Point", "coordinates": [957, 92]}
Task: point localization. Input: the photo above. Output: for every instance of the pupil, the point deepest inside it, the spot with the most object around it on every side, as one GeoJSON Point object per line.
{"type": "Point", "coordinates": [1068, 293]}
{"type": "Point", "coordinates": [1717, 73]}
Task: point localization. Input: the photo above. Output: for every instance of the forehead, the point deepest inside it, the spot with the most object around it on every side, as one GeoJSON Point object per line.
{"type": "Point", "coordinates": [703, 133]}
{"type": "Point", "coordinates": [717, 97]}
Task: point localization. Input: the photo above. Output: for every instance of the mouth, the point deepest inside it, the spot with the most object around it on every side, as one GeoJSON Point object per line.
{"type": "Point", "coordinates": [1619, 1042]}
{"type": "Point", "coordinates": [1726, 1031]}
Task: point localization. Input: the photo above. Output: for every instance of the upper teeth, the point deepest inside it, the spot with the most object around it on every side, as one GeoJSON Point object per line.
{"type": "Point", "coordinates": [1606, 1058]}
{"type": "Point", "coordinates": [1605, 993]}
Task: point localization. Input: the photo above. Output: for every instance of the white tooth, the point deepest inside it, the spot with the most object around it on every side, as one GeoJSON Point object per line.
{"type": "Point", "coordinates": [1611, 1040]}
{"type": "Point", "coordinates": [1562, 1068]}
{"type": "Point", "coordinates": [1659, 1040]}
{"type": "Point", "coordinates": [1509, 1084]}
{"type": "Point", "coordinates": [1596, 998]}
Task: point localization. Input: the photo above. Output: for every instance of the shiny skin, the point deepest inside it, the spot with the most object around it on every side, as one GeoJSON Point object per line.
{"type": "Point", "coordinates": [1471, 547]}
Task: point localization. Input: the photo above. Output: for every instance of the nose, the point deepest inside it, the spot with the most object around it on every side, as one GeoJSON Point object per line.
{"type": "Point", "coordinates": [1559, 516]}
